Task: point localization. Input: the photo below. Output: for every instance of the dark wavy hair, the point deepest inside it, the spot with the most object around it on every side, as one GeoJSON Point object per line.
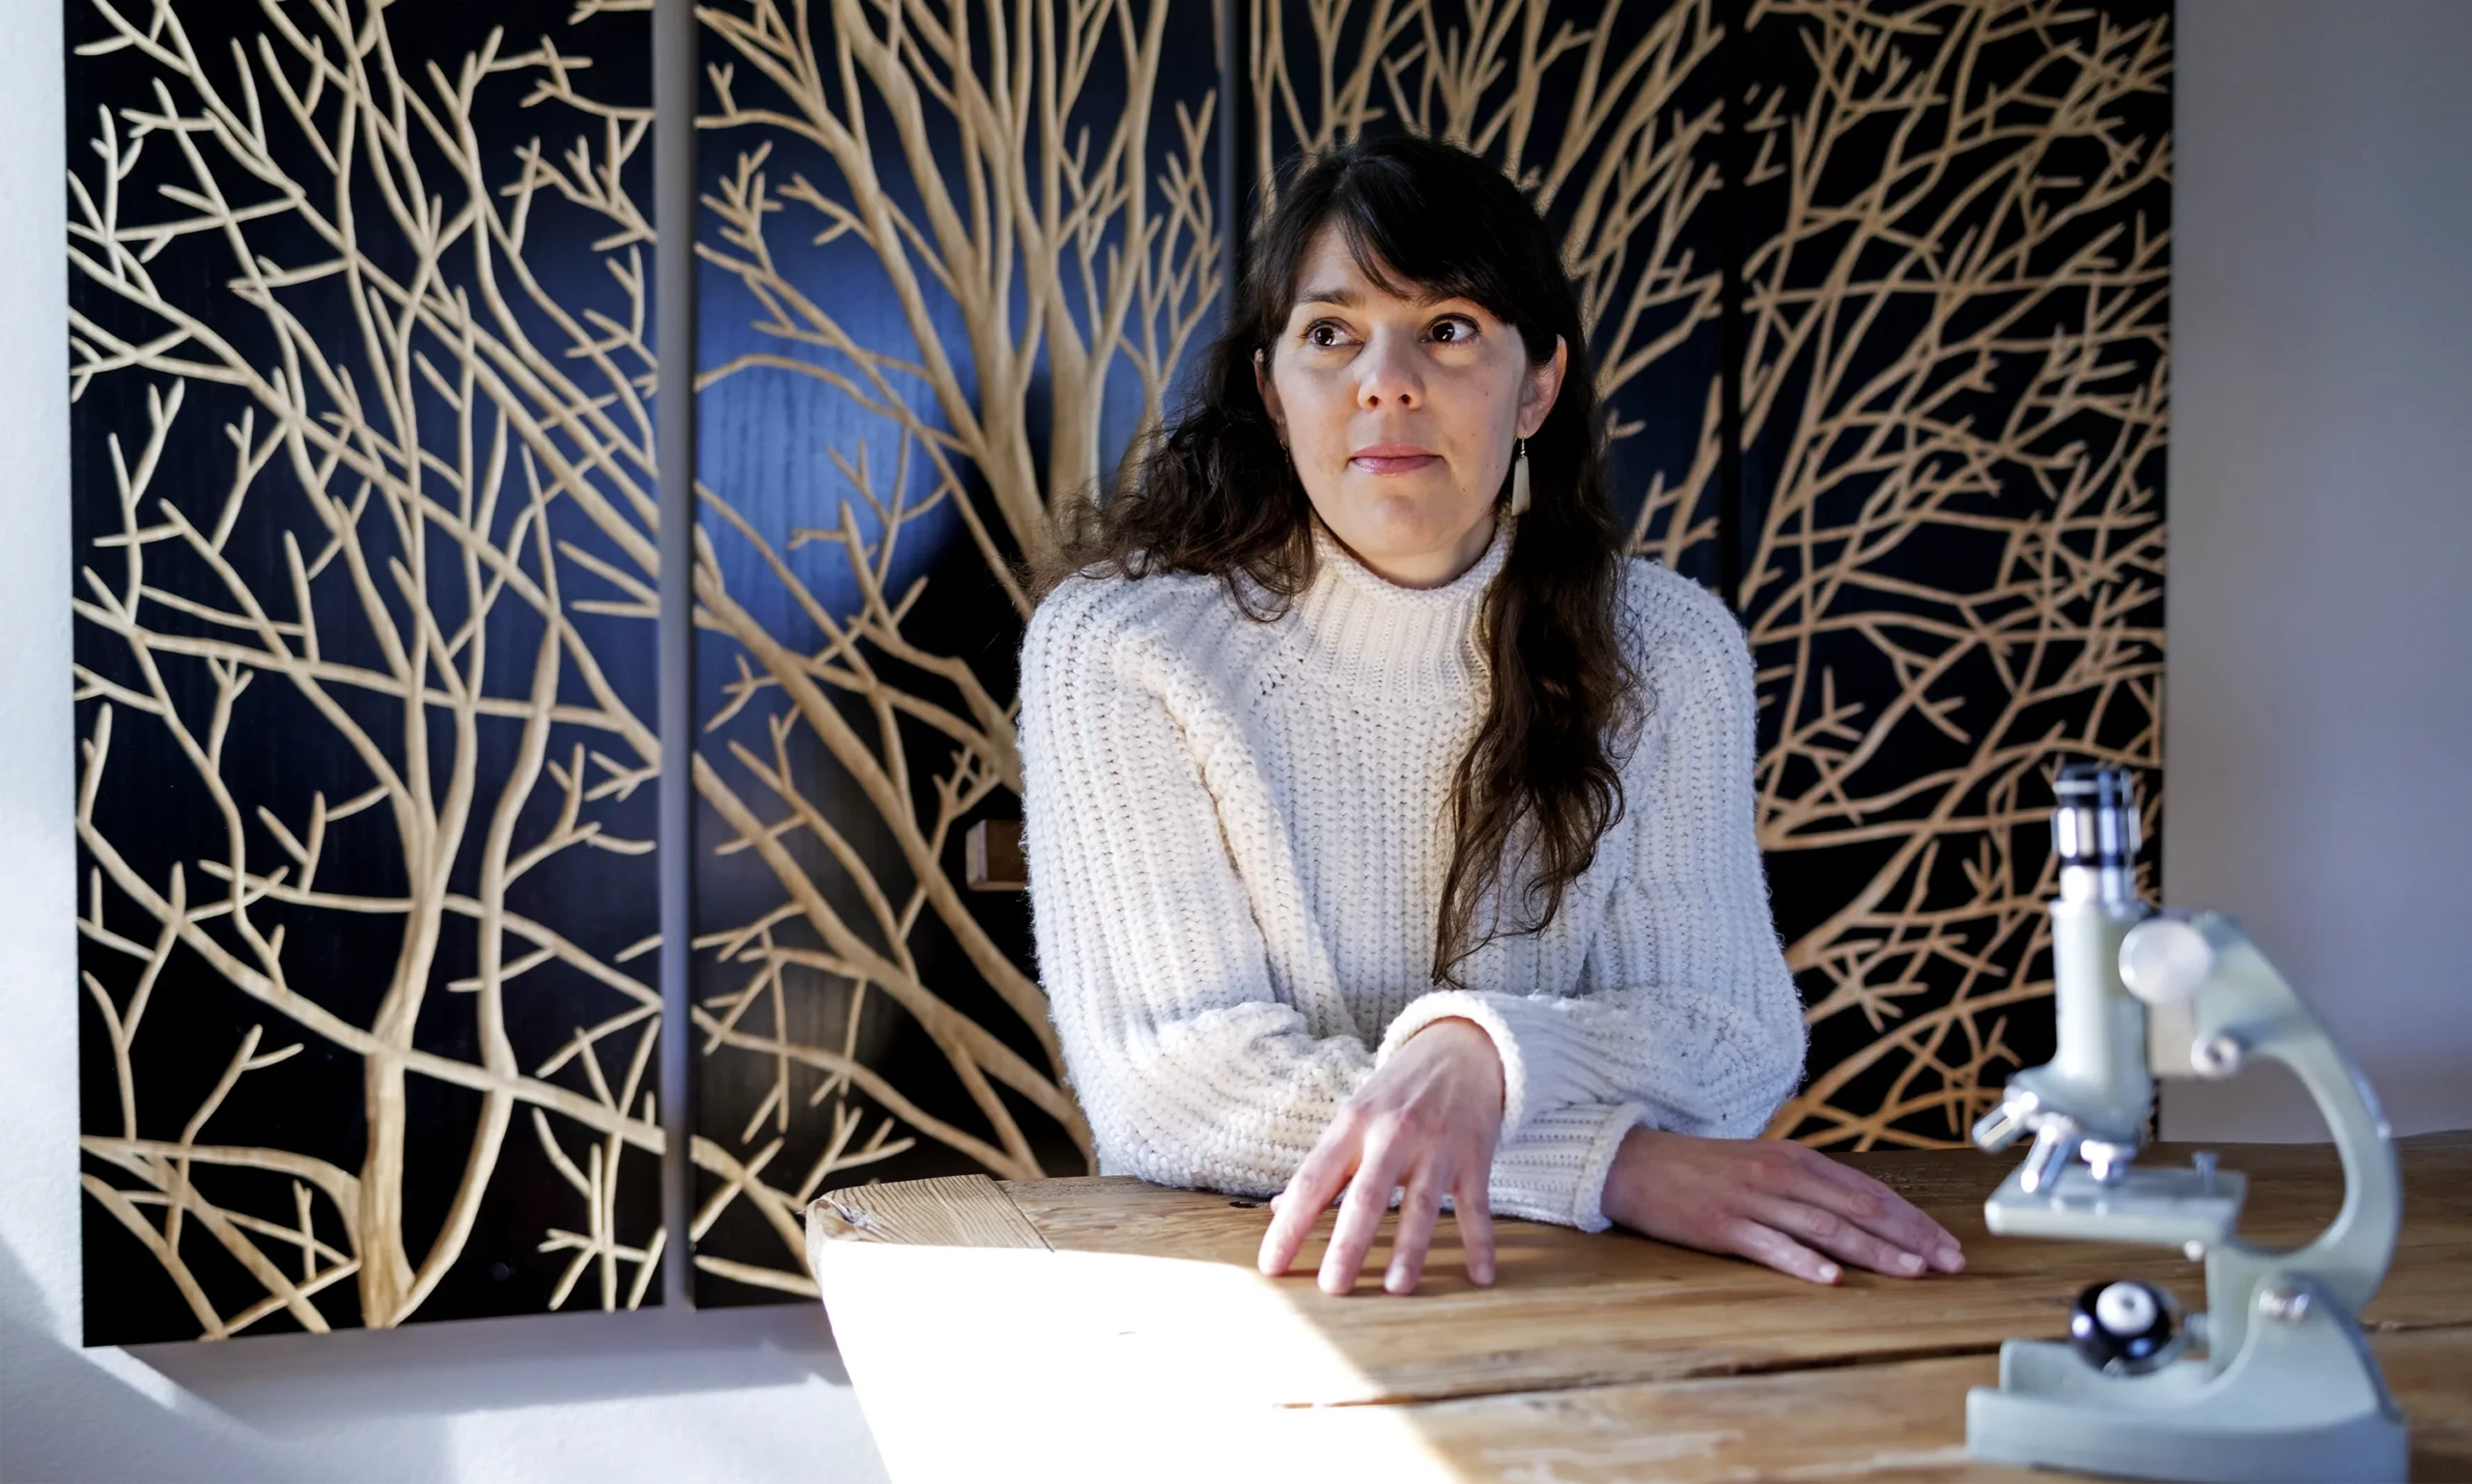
{"type": "Point", "coordinates": [1215, 494]}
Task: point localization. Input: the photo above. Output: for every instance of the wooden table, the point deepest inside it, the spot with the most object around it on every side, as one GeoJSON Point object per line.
{"type": "Point", "coordinates": [1107, 1328]}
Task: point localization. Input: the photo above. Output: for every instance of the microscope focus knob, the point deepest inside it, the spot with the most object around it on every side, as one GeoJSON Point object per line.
{"type": "Point", "coordinates": [2166, 960]}
{"type": "Point", "coordinates": [2126, 1328]}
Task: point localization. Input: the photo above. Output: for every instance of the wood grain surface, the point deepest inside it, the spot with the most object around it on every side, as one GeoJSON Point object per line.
{"type": "Point", "coordinates": [1593, 1356]}
{"type": "Point", "coordinates": [1570, 1308]}
{"type": "Point", "coordinates": [1901, 1420]}
{"type": "Point", "coordinates": [959, 1211]}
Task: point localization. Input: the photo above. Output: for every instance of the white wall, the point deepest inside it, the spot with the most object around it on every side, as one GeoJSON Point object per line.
{"type": "Point", "coordinates": [2318, 739]}
{"type": "Point", "coordinates": [658, 1397]}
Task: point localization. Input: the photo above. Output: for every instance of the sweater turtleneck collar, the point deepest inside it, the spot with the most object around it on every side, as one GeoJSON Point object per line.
{"type": "Point", "coordinates": [1382, 639]}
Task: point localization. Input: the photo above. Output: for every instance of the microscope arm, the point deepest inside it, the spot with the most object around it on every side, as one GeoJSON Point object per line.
{"type": "Point", "coordinates": [2244, 1008]}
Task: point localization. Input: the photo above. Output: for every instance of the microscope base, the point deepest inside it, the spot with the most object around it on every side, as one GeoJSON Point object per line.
{"type": "Point", "coordinates": [2302, 1400]}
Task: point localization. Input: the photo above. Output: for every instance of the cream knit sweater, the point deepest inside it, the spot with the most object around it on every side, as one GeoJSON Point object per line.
{"type": "Point", "coordinates": [1237, 842]}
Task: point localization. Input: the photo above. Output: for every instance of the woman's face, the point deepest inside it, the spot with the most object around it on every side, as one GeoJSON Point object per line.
{"type": "Point", "coordinates": [1400, 414]}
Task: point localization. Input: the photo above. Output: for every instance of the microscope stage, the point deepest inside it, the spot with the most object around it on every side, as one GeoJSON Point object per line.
{"type": "Point", "coordinates": [2168, 1206]}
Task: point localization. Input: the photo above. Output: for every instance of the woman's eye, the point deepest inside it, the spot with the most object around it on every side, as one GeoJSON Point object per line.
{"type": "Point", "coordinates": [1323, 333]}
{"type": "Point", "coordinates": [1453, 331]}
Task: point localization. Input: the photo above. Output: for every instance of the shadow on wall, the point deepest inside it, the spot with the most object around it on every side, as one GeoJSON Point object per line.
{"type": "Point", "coordinates": [386, 1404]}
{"type": "Point", "coordinates": [67, 1420]}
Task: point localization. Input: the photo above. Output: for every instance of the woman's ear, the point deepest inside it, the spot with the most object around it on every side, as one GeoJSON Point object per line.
{"type": "Point", "coordinates": [1536, 394]}
{"type": "Point", "coordinates": [1269, 396]}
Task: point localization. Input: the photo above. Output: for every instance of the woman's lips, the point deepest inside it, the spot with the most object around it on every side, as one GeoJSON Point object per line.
{"type": "Point", "coordinates": [1392, 459]}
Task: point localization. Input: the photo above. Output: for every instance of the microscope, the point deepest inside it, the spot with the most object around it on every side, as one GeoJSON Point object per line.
{"type": "Point", "coordinates": [2273, 1379]}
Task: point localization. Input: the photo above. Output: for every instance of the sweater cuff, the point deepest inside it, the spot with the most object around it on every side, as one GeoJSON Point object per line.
{"type": "Point", "coordinates": [1557, 1172]}
{"type": "Point", "coordinates": [1460, 1004]}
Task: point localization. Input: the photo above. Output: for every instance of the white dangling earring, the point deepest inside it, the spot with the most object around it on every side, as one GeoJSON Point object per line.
{"type": "Point", "coordinates": [1519, 480]}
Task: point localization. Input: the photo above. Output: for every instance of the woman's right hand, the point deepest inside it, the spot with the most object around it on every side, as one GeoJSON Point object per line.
{"type": "Point", "coordinates": [1774, 1202]}
{"type": "Point", "coordinates": [1426, 1123]}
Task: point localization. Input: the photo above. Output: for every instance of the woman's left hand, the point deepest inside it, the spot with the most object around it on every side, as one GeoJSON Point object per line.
{"type": "Point", "coordinates": [1426, 1120]}
{"type": "Point", "coordinates": [1790, 1208]}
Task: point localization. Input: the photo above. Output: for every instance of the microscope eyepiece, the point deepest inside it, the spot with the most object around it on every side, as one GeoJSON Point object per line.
{"type": "Point", "coordinates": [2093, 818]}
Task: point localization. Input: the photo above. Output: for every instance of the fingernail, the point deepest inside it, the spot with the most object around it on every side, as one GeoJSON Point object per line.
{"type": "Point", "coordinates": [1828, 1272]}
{"type": "Point", "coordinates": [1908, 1263]}
{"type": "Point", "coordinates": [1482, 1274]}
{"type": "Point", "coordinates": [1952, 1259]}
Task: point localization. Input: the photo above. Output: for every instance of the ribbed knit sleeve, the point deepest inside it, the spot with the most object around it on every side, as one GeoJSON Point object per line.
{"type": "Point", "coordinates": [1685, 1016]}
{"type": "Point", "coordinates": [1192, 1068]}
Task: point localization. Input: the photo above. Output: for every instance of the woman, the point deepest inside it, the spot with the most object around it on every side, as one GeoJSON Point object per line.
{"type": "Point", "coordinates": [1387, 830]}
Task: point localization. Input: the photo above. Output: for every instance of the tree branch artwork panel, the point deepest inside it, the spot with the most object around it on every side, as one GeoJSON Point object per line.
{"type": "Point", "coordinates": [367, 575]}
{"type": "Point", "coordinates": [1940, 451]}
{"type": "Point", "coordinates": [1953, 385]}
{"type": "Point", "coordinates": [953, 257]}
{"type": "Point", "coordinates": [364, 515]}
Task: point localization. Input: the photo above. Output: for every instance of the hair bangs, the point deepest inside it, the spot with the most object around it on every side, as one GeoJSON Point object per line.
{"type": "Point", "coordinates": [1407, 242]}
{"type": "Point", "coordinates": [1413, 236]}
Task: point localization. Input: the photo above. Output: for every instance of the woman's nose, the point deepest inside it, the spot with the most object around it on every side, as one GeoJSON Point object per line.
{"type": "Point", "coordinates": [1387, 377]}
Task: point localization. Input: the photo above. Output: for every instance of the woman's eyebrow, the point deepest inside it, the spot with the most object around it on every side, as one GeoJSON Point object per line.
{"type": "Point", "coordinates": [1346, 298]}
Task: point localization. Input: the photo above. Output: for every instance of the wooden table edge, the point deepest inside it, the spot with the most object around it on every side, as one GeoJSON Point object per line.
{"type": "Point", "coordinates": [967, 1211]}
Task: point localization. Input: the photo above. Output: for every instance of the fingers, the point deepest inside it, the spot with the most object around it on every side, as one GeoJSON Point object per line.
{"type": "Point", "coordinates": [1360, 1215]}
{"type": "Point", "coordinates": [1308, 1194]}
{"type": "Point", "coordinates": [1767, 1245]}
{"type": "Point", "coordinates": [1419, 1211]}
{"type": "Point", "coordinates": [1837, 1236]}
{"type": "Point", "coordinates": [1881, 1211]}
{"type": "Point", "coordinates": [1473, 1209]}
